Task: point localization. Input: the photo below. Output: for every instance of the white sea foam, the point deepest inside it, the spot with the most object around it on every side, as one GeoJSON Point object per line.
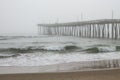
{"type": "Point", "coordinates": [56, 44]}
{"type": "Point", "coordinates": [39, 59]}
{"type": "Point", "coordinates": [107, 49]}
{"type": "Point", "coordinates": [54, 47]}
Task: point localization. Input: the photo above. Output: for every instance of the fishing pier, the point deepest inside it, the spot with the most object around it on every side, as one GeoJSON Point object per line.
{"type": "Point", "coordinates": [104, 28]}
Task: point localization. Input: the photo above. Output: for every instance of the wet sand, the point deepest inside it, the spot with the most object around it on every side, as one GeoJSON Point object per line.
{"type": "Point", "coordinates": [62, 67]}
{"type": "Point", "coordinates": [113, 74]}
{"type": "Point", "coordinates": [65, 71]}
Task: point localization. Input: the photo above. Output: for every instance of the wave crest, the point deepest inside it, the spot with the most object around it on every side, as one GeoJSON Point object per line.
{"type": "Point", "coordinates": [7, 55]}
{"type": "Point", "coordinates": [41, 48]}
{"type": "Point", "coordinates": [101, 49]}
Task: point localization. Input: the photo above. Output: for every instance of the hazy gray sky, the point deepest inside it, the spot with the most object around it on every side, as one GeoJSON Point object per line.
{"type": "Point", "coordinates": [22, 16]}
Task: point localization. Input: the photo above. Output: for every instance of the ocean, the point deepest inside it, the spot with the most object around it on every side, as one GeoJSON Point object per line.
{"type": "Point", "coordinates": [48, 50]}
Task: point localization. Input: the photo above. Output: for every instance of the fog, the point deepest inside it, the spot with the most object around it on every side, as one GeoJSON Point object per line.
{"type": "Point", "coordinates": [20, 17]}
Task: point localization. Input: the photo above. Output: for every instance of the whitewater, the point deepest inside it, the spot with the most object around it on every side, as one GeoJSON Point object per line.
{"type": "Point", "coordinates": [48, 50]}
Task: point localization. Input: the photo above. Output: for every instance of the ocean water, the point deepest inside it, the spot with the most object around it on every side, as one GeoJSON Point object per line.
{"type": "Point", "coordinates": [48, 50]}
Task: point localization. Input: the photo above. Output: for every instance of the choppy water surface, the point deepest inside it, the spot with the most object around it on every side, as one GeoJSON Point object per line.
{"type": "Point", "coordinates": [47, 50]}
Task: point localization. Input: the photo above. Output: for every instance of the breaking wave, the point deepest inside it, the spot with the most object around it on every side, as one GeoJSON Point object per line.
{"type": "Point", "coordinates": [65, 48]}
{"type": "Point", "coordinates": [56, 48]}
{"type": "Point", "coordinates": [7, 55]}
{"type": "Point", "coordinates": [102, 49]}
{"type": "Point", "coordinates": [40, 48]}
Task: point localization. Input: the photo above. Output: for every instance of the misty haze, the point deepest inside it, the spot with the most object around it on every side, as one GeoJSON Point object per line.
{"type": "Point", "coordinates": [20, 17]}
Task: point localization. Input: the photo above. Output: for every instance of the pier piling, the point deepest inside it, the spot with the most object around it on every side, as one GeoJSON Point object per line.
{"type": "Point", "coordinates": [105, 28]}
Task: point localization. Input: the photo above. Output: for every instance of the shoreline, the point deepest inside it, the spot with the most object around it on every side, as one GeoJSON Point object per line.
{"type": "Point", "coordinates": [63, 67]}
{"type": "Point", "coordinates": [63, 71]}
{"type": "Point", "coordinates": [112, 74]}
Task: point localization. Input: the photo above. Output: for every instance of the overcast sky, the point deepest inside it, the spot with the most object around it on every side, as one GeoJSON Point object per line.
{"type": "Point", "coordinates": [20, 17]}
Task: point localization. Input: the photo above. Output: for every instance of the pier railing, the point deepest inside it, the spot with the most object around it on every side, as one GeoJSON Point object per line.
{"type": "Point", "coordinates": [105, 28]}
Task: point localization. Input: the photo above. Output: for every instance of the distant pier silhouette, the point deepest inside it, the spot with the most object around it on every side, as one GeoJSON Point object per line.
{"type": "Point", "coordinates": [103, 28]}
